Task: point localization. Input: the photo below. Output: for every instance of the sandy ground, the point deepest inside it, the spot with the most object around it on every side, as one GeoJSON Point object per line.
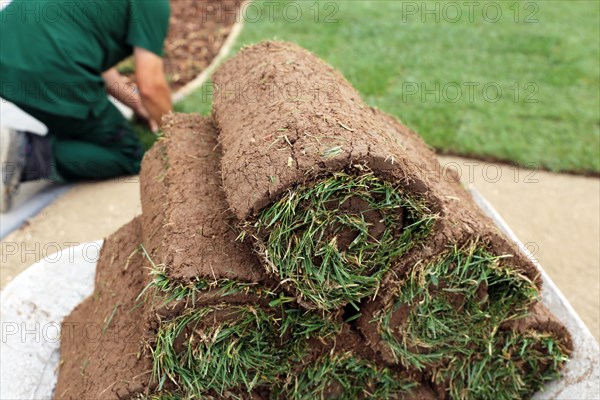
{"type": "Point", "coordinates": [557, 216]}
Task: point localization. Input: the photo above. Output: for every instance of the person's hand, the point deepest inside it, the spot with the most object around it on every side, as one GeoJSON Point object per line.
{"type": "Point", "coordinates": [127, 93]}
{"type": "Point", "coordinates": [142, 114]}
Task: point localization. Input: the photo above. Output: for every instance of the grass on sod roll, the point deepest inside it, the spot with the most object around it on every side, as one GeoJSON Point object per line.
{"type": "Point", "coordinates": [227, 347]}
{"type": "Point", "coordinates": [179, 396]}
{"type": "Point", "coordinates": [223, 348]}
{"type": "Point", "coordinates": [242, 349]}
{"type": "Point", "coordinates": [302, 232]}
{"type": "Point", "coordinates": [161, 396]}
{"type": "Point", "coordinates": [340, 377]}
{"type": "Point", "coordinates": [169, 290]}
{"type": "Point", "coordinates": [343, 377]}
{"type": "Point", "coordinates": [454, 313]}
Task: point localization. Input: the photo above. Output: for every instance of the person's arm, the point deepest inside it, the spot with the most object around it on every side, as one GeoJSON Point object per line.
{"type": "Point", "coordinates": [153, 87]}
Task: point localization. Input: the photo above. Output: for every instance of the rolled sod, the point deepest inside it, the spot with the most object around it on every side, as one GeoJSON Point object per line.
{"type": "Point", "coordinates": [295, 247]}
{"type": "Point", "coordinates": [472, 325]}
{"type": "Point", "coordinates": [226, 328]}
{"type": "Point", "coordinates": [334, 195]}
{"type": "Point", "coordinates": [345, 205]}
{"type": "Point", "coordinates": [186, 224]}
{"type": "Point", "coordinates": [208, 324]}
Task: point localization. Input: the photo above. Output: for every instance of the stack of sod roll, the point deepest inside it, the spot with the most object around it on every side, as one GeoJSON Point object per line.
{"type": "Point", "coordinates": [302, 245]}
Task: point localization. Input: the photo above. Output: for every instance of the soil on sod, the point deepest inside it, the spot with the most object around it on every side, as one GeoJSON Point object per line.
{"type": "Point", "coordinates": [374, 278]}
{"type": "Point", "coordinates": [187, 226]}
{"type": "Point", "coordinates": [197, 30]}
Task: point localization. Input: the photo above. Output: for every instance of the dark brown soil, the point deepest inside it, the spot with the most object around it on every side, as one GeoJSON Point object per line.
{"type": "Point", "coordinates": [356, 206]}
{"type": "Point", "coordinates": [187, 225]}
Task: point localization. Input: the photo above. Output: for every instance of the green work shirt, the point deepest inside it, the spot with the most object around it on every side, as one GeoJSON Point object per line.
{"type": "Point", "coordinates": [53, 52]}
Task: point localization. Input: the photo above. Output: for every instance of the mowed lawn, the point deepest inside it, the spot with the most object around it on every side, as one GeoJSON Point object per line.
{"type": "Point", "coordinates": [507, 80]}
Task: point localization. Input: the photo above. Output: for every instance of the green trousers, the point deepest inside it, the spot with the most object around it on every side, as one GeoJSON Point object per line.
{"type": "Point", "coordinates": [99, 147]}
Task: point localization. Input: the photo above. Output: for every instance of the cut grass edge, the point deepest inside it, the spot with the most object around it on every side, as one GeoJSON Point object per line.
{"type": "Point", "coordinates": [452, 317]}
{"type": "Point", "coordinates": [299, 236]}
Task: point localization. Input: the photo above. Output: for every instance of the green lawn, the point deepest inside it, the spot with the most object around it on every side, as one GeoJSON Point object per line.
{"type": "Point", "coordinates": [548, 71]}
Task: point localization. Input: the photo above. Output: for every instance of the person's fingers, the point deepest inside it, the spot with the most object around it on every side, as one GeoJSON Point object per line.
{"type": "Point", "coordinates": [153, 125]}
